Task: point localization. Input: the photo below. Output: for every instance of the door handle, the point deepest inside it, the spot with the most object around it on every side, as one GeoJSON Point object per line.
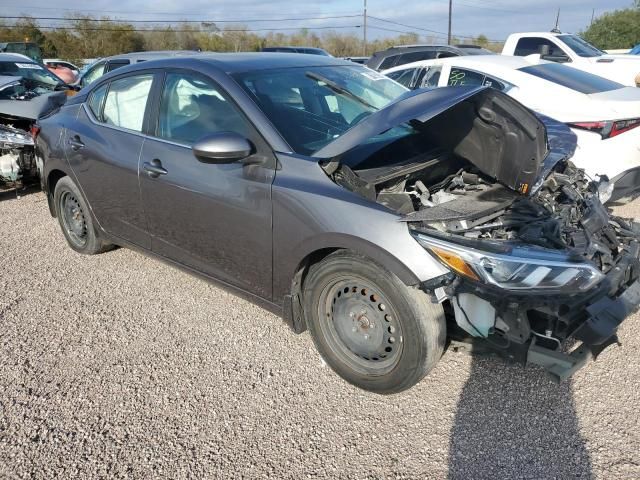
{"type": "Point", "coordinates": [154, 168]}
{"type": "Point", "coordinates": [75, 143]}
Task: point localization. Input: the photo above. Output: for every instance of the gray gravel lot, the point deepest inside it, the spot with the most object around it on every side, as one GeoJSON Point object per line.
{"type": "Point", "coordinates": [118, 365]}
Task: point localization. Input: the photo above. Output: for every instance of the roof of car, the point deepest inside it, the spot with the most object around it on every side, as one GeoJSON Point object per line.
{"type": "Point", "coordinates": [15, 57]}
{"type": "Point", "coordinates": [241, 62]}
{"type": "Point", "coordinates": [501, 61]}
{"type": "Point", "coordinates": [152, 55]}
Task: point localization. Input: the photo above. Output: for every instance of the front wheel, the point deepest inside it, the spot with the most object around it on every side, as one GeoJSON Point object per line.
{"type": "Point", "coordinates": [373, 330]}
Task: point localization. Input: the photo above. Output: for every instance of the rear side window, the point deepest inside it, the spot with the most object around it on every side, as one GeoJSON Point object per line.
{"type": "Point", "coordinates": [416, 57]}
{"type": "Point", "coordinates": [97, 100]}
{"type": "Point", "coordinates": [572, 78]}
{"type": "Point", "coordinates": [113, 65]}
{"type": "Point", "coordinates": [388, 62]}
{"type": "Point", "coordinates": [462, 76]}
{"type": "Point", "coordinates": [126, 102]}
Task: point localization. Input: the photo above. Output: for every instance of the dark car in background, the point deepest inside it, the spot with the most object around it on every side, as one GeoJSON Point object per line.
{"type": "Point", "coordinates": [381, 219]}
{"type": "Point", "coordinates": [108, 64]}
{"type": "Point", "coordinates": [307, 50]}
{"type": "Point", "coordinates": [394, 56]}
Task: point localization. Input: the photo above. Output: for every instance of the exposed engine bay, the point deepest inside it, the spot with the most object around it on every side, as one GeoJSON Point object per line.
{"type": "Point", "coordinates": [22, 102]}
{"type": "Point", "coordinates": [456, 197]}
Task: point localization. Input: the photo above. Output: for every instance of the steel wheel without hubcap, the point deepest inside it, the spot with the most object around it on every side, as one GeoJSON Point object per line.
{"type": "Point", "coordinates": [360, 325]}
{"type": "Point", "coordinates": [73, 218]}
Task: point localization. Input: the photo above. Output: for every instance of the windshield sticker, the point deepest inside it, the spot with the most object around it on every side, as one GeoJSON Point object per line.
{"type": "Point", "coordinates": [371, 75]}
{"type": "Point", "coordinates": [33, 66]}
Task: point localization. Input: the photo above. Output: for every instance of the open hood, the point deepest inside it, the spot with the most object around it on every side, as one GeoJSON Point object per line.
{"type": "Point", "coordinates": [494, 132]}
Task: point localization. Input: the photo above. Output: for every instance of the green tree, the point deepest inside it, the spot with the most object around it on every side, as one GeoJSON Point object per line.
{"type": "Point", "coordinates": [618, 29]}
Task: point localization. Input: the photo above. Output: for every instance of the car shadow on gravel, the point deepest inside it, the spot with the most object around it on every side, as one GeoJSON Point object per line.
{"type": "Point", "coordinates": [515, 423]}
{"type": "Point", "coordinates": [14, 193]}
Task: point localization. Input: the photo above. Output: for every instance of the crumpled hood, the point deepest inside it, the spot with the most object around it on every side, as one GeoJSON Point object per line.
{"type": "Point", "coordinates": [497, 134]}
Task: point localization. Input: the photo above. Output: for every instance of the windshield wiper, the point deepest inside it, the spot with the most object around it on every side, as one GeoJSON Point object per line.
{"type": "Point", "coordinates": [339, 89]}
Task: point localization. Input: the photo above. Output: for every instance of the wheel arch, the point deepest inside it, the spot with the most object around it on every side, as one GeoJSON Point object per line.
{"type": "Point", "coordinates": [316, 251]}
{"type": "Point", "coordinates": [53, 178]}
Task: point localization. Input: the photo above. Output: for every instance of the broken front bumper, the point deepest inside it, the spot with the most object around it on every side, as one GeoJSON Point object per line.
{"type": "Point", "coordinates": [596, 333]}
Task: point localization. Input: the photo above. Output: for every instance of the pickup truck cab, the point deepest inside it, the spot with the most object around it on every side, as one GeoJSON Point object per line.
{"type": "Point", "coordinates": [575, 52]}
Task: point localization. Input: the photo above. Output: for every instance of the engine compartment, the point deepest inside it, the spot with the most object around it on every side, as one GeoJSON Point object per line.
{"type": "Point", "coordinates": [444, 193]}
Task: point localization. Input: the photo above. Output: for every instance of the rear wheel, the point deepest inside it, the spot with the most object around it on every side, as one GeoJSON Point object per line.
{"type": "Point", "coordinates": [75, 220]}
{"type": "Point", "coordinates": [373, 330]}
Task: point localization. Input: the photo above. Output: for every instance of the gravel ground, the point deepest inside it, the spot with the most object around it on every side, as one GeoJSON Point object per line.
{"type": "Point", "coordinates": [118, 365]}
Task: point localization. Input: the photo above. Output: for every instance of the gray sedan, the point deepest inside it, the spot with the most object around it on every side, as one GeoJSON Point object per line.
{"type": "Point", "coordinates": [384, 221]}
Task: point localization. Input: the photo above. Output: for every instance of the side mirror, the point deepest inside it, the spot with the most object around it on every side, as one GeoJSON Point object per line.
{"type": "Point", "coordinates": [222, 147]}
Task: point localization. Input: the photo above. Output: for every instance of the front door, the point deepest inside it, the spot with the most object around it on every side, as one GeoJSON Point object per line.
{"type": "Point", "coordinates": [214, 218]}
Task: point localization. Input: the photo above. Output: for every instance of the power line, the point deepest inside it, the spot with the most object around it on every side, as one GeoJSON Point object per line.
{"type": "Point", "coordinates": [413, 27]}
{"type": "Point", "coordinates": [82, 29]}
{"type": "Point", "coordinates": [81, 19]}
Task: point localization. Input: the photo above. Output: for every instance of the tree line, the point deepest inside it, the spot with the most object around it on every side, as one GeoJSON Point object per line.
{"type": "Point", "coordinates": [84, 37]}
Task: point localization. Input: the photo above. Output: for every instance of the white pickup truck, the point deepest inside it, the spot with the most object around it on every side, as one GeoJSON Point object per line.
{"type": "Point", "coordinates": [575, 52]}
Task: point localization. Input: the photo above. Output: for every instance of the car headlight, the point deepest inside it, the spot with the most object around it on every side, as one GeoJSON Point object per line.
{"type": "Point", "coordinates": [521, 269]}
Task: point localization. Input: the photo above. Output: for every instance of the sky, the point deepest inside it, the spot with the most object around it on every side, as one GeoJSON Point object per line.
{"type": "Point", "coordinates": [493, 18]}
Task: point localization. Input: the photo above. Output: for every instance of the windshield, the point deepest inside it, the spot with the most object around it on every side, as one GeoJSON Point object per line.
{"type": "Point", "coordinates": [581, 46]}
{"type": "Point", "coordinates": [572, 78]}
{"type": "Point", "coordinates": [33, 74]}
{"type": "Point", "coordinates": [312, 106]}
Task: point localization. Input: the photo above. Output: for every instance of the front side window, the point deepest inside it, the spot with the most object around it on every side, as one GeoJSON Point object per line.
{"type": "Point", "coordinates": [531, 45]}
{"type": "Point", "coordinates": [126, 102]}
{"type": "Point", "coordinates": [97, 100]}
{"type": "Point", "coordinates": [94, 73]}
{"type": "Point", "coordinates": [328, 100]}
{"type": "Point", "coordinates": [403, 77]}
{"type": "Point", "coordinates": [388, 62]}
{"type": "Point", "coordinates": [193, 107]}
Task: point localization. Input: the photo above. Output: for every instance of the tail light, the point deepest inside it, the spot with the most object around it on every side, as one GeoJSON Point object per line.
{"type": "Point", "coordinates": [35, 130]}
{"type": "Point", "coordinates": [608, 129]}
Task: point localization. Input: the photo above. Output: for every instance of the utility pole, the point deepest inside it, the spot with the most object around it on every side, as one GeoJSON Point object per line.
{"type": "Point", "coordinates": [364, 32]}
{"type": "Point", "coordinates": [449, 31]}
{"type": "Point", "coordinates": [593, 14]}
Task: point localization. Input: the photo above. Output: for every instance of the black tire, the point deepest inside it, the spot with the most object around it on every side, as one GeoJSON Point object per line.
{"type": "Point", "coordinates": [75, 219]}
{"type": "Point", "coordinates": [373, 330]}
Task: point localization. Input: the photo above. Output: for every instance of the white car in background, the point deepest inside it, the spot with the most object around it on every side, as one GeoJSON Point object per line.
{"type": "Point", "coordinates": [575, 52]}
{"type": "Point", "coordinates": [605, 115]}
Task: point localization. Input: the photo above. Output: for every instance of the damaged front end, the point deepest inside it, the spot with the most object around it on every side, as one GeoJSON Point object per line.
{"type": "Point", "coordinates": [21, 104]}
{"type": "Point", "coordinates": [537, 262]}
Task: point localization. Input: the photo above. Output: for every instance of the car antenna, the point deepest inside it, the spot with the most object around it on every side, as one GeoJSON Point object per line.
{"type": "Point", "coordinates": [556, 29]}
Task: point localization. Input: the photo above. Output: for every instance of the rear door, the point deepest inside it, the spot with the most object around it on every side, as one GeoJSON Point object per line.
{"type": "Point", "coordinates": [103, 146]}
{"type": "Point", "coordinates": [214, 218]}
